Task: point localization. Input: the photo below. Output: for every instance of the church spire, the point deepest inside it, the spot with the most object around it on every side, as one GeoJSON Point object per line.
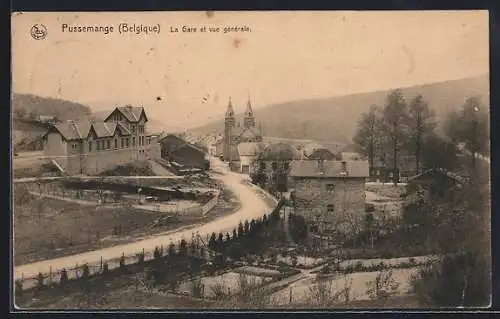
{"type": "Point", "coordinates": [249, 120]}
{"type": "Point", "coordinates": [230, 111]}
{"type": "Point", "coordinates": [248, 111]}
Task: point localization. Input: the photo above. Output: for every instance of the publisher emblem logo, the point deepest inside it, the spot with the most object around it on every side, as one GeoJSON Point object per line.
{"type": "Point", "coordinates": [38, 32]}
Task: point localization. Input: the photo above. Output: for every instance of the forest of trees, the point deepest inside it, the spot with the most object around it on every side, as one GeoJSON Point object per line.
{"type": "Point", "coordinates": [385, 133]}
{"type": "Point", "coordinates": [460, 228]}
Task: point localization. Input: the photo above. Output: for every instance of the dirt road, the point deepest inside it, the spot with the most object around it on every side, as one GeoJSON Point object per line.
{"type": "Point", "coordinates": [253, 205]}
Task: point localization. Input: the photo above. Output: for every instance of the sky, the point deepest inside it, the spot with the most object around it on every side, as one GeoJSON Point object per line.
{"type": "Point", "coordinates": [186, 78]}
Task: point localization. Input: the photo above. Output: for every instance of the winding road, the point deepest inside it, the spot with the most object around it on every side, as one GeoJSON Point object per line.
{"type": "Point", "coordinates": [253, 205]}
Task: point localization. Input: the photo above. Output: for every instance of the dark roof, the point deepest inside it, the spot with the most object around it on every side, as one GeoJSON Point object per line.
{"type": "Point", "coordinates": [311, 168]}
{"type": "Point", "coordinates": [279, 151]}
{"type": "Point", "coordinates": [324, 154]}
{"type": "Point", "coordinates": [188, 146]}
{"type": "Point", "coordinates": [311, 147]}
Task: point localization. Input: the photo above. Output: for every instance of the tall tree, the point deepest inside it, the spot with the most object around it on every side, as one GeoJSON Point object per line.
{"type": "Point", "coordinates": [470, 127]}
{"type": "Point", "coordinates": [368, 134]}
{"type": "Point", "coordinates": [395, 119]}
{"type": "Point", "coordinates": [421, 124]}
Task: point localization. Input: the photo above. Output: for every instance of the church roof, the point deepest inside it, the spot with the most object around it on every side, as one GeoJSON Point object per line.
{"type": "Point", "coordinates": [249, 149]}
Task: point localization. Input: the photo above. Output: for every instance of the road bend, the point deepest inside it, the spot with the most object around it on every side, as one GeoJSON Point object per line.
{"type": "Point", "coordinates": [253, 205]}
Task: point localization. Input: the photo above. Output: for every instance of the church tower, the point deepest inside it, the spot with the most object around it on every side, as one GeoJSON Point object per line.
{"type": "Point", "coordinates": [249, 120]}
{"type": "Point", "coordinates": [229, 122]}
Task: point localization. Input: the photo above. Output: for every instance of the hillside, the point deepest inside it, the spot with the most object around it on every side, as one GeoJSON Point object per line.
{"type": "Point", "coordinates": [335, 118]}
{"type": "Point", "coordinates": [26, 131]}
{"type": "Point", "coordinates": [24, 105]}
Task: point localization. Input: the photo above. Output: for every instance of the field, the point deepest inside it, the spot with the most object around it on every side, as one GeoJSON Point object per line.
{"type": "Point", "coordinates": [227, 283]}
{"type": "Point", "coordinates": [47, 227]}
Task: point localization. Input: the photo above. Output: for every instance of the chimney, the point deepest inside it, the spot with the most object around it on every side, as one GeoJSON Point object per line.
{"type": "Point", "coordinates": [343, 171]}
{"type": "Point", "coordinates": [321, 167]}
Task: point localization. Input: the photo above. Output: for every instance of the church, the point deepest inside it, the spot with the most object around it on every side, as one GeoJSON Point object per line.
{"type": "Point", "coordinates": [239, 137]}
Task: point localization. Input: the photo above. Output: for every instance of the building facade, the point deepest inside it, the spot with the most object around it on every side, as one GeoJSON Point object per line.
{"type": "Point", "coordinates": [330, 195]}
{"type": "Point", "coordinates": [90, 147]}
{"type": "Point", "coordinates": [234, 133]}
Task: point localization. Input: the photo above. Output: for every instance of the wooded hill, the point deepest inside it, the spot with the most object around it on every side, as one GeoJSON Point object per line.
{"type": "Point", "coordinates": [335, 118]}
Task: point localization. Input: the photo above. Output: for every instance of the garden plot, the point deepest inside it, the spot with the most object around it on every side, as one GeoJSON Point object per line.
{"type": "Point", "coordinates": [227, 284]}
{"type": "Point", "coordinates": [301, 261]}
{"type": "Point", "coordinates": [306, 290]}
{"type": "Point", "coordinates": [256, 271]}
{"type": "Point", "coordinates": [391, 262]}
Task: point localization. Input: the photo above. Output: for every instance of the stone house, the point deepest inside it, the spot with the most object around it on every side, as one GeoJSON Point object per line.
{"type": "Point", "coordinates": [330, 195]}
{"type": "Point", "coordinates": [90, 147]}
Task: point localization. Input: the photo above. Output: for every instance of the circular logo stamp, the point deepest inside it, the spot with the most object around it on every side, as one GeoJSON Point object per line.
{"type": "Point", "coordinates": [38, 32]}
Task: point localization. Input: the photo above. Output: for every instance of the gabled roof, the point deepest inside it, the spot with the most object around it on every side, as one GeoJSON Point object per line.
{"type": "Point", "coordinates": [72, 130]}
{"type": "Point", "coordinates": [322, 169]}
{"type": "Point", "coordinates": [249, 149]}
{"type": "Point", "coordinates": [108, 129]}
{"type": "Point", "coordinates": [131, 113]}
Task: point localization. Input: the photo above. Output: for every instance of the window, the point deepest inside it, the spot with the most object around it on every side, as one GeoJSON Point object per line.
{"type": "Point", "coordinates": [330, 208]}
{"type": "Point", "coordinates": [286, 165]}
{"type": "Point", "coordinates": [330, 188]}
{"type": "Point", "coordinates": [133, 141]}
{"type": "Point", "coordinates": [127, 142]}
{"type": "Point", "coordinates": [98, 145]}
{"type": "Point", "coordinates": [149, 141]}
{"type": "Point", "coordinates": [133, 129]}
{"type": "Point", "coordinates": [274, 165]}
{"type": "Point", "coordinates": [108, 144]}
{"type": "Point", "coordinates": [90, 146]}
{"type": "Point", "coordinates": [121, 143]}
{"type": "Point", "coordinates": [116, 143]}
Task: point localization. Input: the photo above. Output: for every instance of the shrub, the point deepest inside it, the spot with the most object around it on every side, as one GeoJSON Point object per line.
{"type": "Point", "coordinates": [85, 271]}
{"type": "Point", "coordinates": [122, 261]}
{"type": "Point", "coordinates": [105, 268]}
{"type": "Point", "coordinates": [40, 281]}
{"type": "Point", "coordinates": [64, 276]}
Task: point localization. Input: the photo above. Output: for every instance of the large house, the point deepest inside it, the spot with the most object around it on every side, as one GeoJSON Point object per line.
{"type": "Point", "coordinates": [330, 195]}
{"type": "Point", "coordinates": [90, 147]}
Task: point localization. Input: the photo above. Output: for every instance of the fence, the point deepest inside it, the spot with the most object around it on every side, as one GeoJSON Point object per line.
{"type": "Point", "coordinates": [98, 267]}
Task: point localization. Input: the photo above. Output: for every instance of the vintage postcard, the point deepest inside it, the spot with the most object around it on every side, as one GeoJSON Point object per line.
{"type": "Point", "coordinates": [251, 160]}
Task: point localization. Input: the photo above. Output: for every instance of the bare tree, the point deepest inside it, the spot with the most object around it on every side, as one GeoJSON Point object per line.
{"type": "Point", "coordinates": [395, 119]}
{"type": "Point", "coordinates": [421, 124]}
{"type": "Point", "coordinates": [383, 286]}
{"type": "Point", "coordinates": [368, 134]}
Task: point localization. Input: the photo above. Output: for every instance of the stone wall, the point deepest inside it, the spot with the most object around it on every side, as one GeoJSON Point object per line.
{"type": "Point", "coordinates": [312, 198]}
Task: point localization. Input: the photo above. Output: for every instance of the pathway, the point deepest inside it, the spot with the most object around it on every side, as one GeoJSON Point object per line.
{"type": "Point", "coordinates": [252, 206]}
